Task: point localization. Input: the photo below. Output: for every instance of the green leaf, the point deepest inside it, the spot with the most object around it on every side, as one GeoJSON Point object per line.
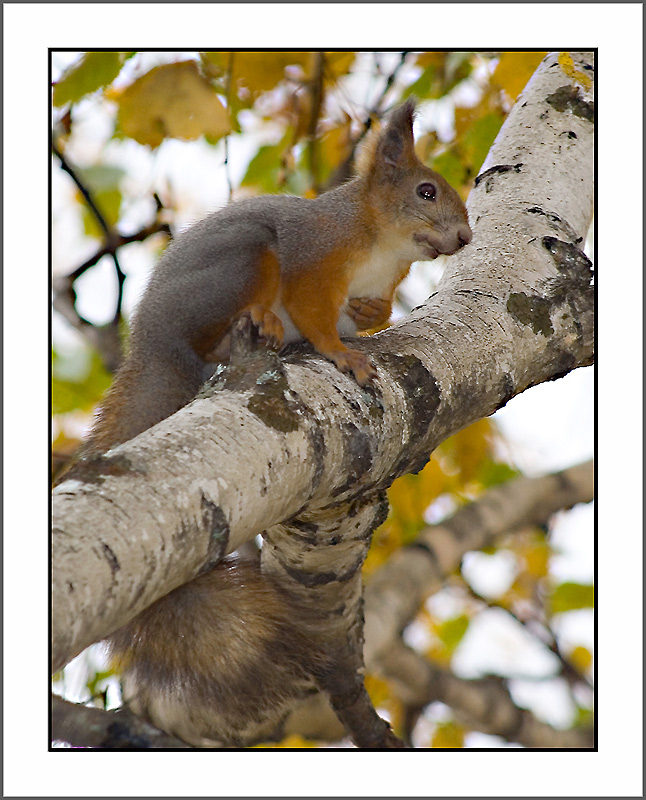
{"type": "Point", "coordinates": [478, 139]}
{"type": "Point", "coordinates": [78, 381]}
{"type": "Point", "coordinates": [263, 167]}
{"type": "Point", "coordinates": [427, 85]}
{"type": "Point", "coordinates": [492, 473]}
{"type": "Point", "coordinates": [441, 72]}
{"type": "Point", "coordinates": [584, 717]}
{"type": "Point", "coordinates": [92, 72]}
{"type": "Point", "coordinates": [103, 183]}
{"type": "Point", "coordinates": [571, 596]}
{"type": "Point", "coordinates": [451, 631]}
{"type": "Point", "coordinates": [451, 167]}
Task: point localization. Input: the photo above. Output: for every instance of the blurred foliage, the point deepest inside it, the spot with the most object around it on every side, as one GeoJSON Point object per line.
{"type": "Point", "coordinates": [78, 380]}
{"type": "Point", "coordinates": [172, 101]}
{"type": "Point", "coordinates": [571, 596]}
{"type": "Point", "coordinates": [92, 72]}
{"type": "Point", "coordinates": [103, 182]}
{"type": "Point", "coordinates": [292, 742]}
{"type": "Point", "coordinates": [448, 735]}
{"type": "Point", "coordinates": [308, 112]}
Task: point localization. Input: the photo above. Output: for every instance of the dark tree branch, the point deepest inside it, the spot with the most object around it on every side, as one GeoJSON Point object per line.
{"type": "Point", "coordinates": [83, 726]}
{"type": "Point", "coordinates": [344, 170]}
{"type": "Point", "coordinates": [157, 226]}
{"type": "Point", "coordinates": [107, 230]}
{"type": "Point", "coordinates": [390, 80]}
{"type": "Point", "coordinates": [66, 167]}
{"type": "Point", "coordinates": [483, 704]}
{"type": "Point", "coordinates": [316, 92]}
{"type": "Point", "coordinates": [105, 338]}
{"type": "Point", "coordinates": [113, 240]}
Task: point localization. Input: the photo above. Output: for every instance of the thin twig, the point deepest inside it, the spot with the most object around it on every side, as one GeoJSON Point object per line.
{"type": "Point", "coordinates": [109, 234]}
{"type": "Point", "coordinates": [342, 172]}
{"type": "Point", "coordinates": [569, 671]}
{"type": "Point", "coordinates": [141, 235]}
{"type": "Point", "coordinates": [66, 167]}
{"type": "Point", "coordinates": [316, 92]}
{"type": "Point", "coordinates": [390, 80]}
{"type": "Point", "coordinates": [228, 85]}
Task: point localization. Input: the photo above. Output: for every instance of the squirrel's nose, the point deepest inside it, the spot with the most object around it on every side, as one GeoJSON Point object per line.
{"type": "Point", "coordinates": [464, 236]}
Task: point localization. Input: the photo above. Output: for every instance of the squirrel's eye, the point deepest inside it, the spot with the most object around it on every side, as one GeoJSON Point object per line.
{"type": "Point", "coordinates": [426, 191]}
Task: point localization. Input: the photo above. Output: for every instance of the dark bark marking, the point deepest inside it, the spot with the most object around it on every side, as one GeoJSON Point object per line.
{"type": "Point", "coordinates": [96, 467]}
{"type": "Point", "coordinates": [568, 98]}
{"type": "Point", "coordinates": [499, 169]}
{"type": "Point", "coordinates": [507, 389]}
{"type": "Point", "coordinates": [215, 520]}
{"type": "Point", "coordinates": [532, 311]}
{"type": "Point", "coordinates": [111, 558]}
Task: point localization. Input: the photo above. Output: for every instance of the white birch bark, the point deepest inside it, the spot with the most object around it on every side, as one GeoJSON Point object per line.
{"type": "Point", "coordinates": [285, 442]}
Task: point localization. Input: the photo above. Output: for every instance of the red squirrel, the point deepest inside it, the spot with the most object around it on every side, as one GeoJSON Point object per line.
{"type": "Point", "coordinates": [313, 269]}
{"type": "Point", "coordinates": [310, 269]}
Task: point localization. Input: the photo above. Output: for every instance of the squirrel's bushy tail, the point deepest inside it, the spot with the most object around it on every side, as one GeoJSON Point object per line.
{"type": "Point", "coordinates": [217, 660]}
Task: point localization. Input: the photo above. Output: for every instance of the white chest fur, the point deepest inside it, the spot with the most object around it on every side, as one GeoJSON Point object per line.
{"type": "Point", "coordinates": [375, 274]}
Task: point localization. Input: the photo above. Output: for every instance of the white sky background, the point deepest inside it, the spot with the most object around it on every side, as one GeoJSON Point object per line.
{"type": "Point", "coordinates": [615, 770]}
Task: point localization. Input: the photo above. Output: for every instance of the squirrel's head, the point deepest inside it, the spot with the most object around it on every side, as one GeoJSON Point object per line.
{"type": "Point", "coordinates": [404, 192]}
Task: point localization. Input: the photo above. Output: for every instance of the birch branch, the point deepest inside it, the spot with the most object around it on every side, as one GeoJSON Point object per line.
{"type": "Point", "coordinates": [483, 704]}
{"type": "Point", "coordinates": [396, 592]}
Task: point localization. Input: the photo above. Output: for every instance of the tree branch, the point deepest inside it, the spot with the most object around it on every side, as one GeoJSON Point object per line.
{"type": "Point", "coordinates": [107, 229]}
{"type": "Point", "coordinates": [394, 595]}
{"type": "Point", "coordinates": [84, 726]}
{"type": "Point", "coordinates": [396, 592]}
{"type": "Point", "coordinates": [484, 704]}
{"type": "Point", "coordinates": [105, 338]}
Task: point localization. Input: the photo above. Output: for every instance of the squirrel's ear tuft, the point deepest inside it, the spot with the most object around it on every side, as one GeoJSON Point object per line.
{"type": "Point", "coordinates": [391, 145]}
{"type": "Point", "coordinates": [403, 115]}
{"type": "Point", "coordinates": [396, 144]}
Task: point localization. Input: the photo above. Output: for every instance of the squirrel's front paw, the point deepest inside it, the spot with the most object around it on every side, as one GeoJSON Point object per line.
{"type": "Point", "coordinates": [368, 312]}
{"type": "Point", "coordinates": [357, 363]}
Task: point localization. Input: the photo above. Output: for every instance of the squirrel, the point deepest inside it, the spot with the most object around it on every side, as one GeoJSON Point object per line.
{"type": "Point", "coordinates": [301, 268]}
{"type": "Point", "coordinates": [314, 269]}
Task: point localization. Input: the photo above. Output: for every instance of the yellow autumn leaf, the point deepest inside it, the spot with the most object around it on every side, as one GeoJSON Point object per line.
{"type": "Point", "coordinates": [581, 658]}
{"type": "Point", "coordinates": [261, 71]}
{"type": "Point", "coordinates": [435, 58]}
{"type": "Point", "coordinates": [534, 552]}
{"type": "Point", "coordinates": [293, 742]}
{"type": "Point", "coordinates": [378, 689]}
{"type": "Point", "coordinates": [448, 735]}
{"type": "Point", "coordinates": [382, 698]}
{"type": "Point", "coordinates": [521, 590]}
{"type": "Point", "coordinates": [411, 495]}
{"type": "Point", "coordinates": [338, 63]}
{"type": "Point", "coordinates": [537, 559]}
{"type": "Point", "coordinates": [172, 101]}
{"type": "Point", "coordinates": [296, 741]}
{"type": "Point", "coordinates": [336, 145]}
{"type": "Point", "coordinates": [470, 448]}
{"type": "Point", "coordinates": [514, 70]}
